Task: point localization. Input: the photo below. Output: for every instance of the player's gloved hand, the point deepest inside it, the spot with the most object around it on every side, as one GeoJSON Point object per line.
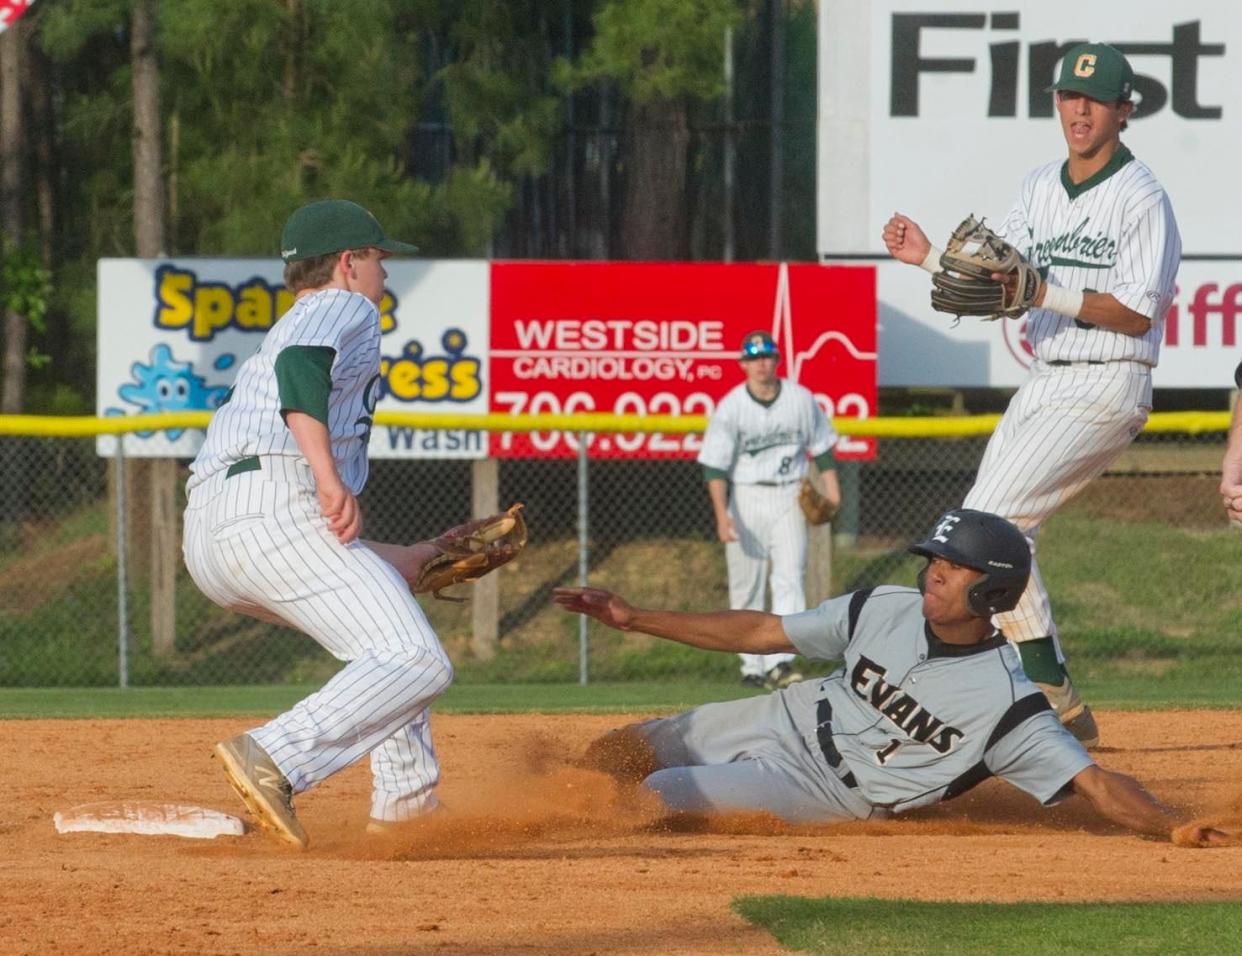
{"type": "Point", "coordinates": [340, 507]}
{"type": "Point", "coordinates": [604, 606]}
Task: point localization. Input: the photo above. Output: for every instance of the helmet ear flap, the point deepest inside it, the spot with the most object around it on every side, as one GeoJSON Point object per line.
{"type": "Point", "coordinates": [981, 597]}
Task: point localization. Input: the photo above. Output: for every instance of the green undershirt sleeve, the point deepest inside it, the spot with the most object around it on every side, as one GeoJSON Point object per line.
{"type": "Point", "coordinates": [827, 461]}
{"type": "Point", "coordinates": [304, 380]}
{"type": "Point", "coordinates": [711, 473]}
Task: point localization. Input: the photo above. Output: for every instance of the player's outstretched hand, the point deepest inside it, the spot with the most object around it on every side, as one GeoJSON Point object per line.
{"type": "Point", "coordinates": [340, 507]}
{"type": "Point", "coordinates": [905, 240]}
{"type": "Point", "coordinates": [1203, 835]}
{"type": "Point", "coordinates": [604, 606]}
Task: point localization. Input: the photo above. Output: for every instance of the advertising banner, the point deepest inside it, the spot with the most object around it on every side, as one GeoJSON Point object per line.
{"type": "Point", "coordinates": [1202, 340]}
{"type": "Point", "coordinates": [939, 114]}
{"type": "Point", "coordinates": [173, 332]}
{"type": "Point", "coordinates": [507, 338]}
{"type": "Point", "coordinates": [664, 339]}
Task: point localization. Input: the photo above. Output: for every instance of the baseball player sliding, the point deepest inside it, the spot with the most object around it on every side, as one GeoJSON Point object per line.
{"type": "Point", "coordinates": [1100, 230]}
{"type": "Point", "coordinates": [272, 530]}
{"type": "Point", "coordinates": [930, 700]}
{"type": "Point", "coordinates": [759, 438]}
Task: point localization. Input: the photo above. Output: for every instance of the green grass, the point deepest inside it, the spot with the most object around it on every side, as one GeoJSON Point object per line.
{"type": "Point", "coordinates": [602, 698]}
{"type": "Point", "coordinates": [855, 926]}
{"type": "Point", "coordinates": [1217, 687]}
{"type": "Point", "coordinates": [1150, 616]}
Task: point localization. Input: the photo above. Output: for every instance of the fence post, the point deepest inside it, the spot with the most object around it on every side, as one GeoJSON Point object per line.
{"type": "Point", "coordinates": [485, 595]}
{"type": "Point", "coordinates": [845, 525]}
{"type": "Point", "coordinates": [819, 564]}
{"type": "Point", "coordinates": [583, 516]}
{"type": "Point", "coordinates": [122, 600]}
{"type": "Point", "coordinates": [165, 556]}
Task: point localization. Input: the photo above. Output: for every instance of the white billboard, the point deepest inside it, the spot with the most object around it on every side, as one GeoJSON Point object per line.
{"type": "Point", "coordinates": [939, 110]}
{"type": "Point", "coordinates": [918, 346]}
{"type": "Point", "coordinates": [172, 333]}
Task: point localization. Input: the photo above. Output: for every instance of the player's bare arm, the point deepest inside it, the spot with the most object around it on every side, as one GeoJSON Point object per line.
{"type": "Point", "coordinates": [1098, 308]}
{"type": "Point", "coordinates": [905, 240]}
{"type": "Point", "coordinates": [1124, 800]}
{"type": "Point", "coordinates": [1231, 469]}
{"type": "Point", "coordinates": [408, 559]}
{"type": "Point", "coordinates": [718, 491]}
{"type": "Point", "coordinates": [832, 486]}
{"type": "Point", "coordinates": [337, 502]}
{"type": "Point", "coordinates": [1103, 310]}
{"type": "Point", "coordinates": [748, 632]}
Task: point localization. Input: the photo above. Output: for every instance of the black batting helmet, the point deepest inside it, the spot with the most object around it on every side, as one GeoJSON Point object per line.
{"type": "Point", "coordinates": [987, 543]}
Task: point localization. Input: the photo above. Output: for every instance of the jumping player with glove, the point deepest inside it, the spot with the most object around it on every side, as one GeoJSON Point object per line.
{"type": "Point", "coordinates": [1089, 254]}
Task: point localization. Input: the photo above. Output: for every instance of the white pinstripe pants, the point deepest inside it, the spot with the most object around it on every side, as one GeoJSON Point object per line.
{"type": "Point", "coordinates": [258, 544]}
{"type": "Point", "coordinates": [1062, 428]}
{"type": "Point", "coordinates": [771, 532]}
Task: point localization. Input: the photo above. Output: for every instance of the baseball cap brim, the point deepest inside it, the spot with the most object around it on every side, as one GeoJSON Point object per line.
{"type": "Point", "coordinates": [396, 247]}
{"type": "Point", "coordinates": [1085, 88]}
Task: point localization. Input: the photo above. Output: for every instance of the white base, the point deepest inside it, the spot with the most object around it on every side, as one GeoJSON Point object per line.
{"type": "Point", "coordinates": [148, 817]}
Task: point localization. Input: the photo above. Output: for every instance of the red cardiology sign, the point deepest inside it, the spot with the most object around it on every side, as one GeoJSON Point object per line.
{"type": "Point", "coordinates": [664, 339]}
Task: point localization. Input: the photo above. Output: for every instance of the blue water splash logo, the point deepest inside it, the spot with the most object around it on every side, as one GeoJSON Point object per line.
{"type": "Point", "coordinates": [167, 385]}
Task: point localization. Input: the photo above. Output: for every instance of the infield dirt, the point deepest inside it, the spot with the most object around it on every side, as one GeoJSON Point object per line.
{"type": "Point", "coordinates": [534, 856]}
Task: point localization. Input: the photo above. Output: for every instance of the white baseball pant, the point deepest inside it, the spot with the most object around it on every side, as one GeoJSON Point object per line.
{"type": "Point", "coordinates": [257, 543]}
{"type": "Point", "coordinates": [771, 532]}
{"type": "Point", "coordinates": [1062, 428]}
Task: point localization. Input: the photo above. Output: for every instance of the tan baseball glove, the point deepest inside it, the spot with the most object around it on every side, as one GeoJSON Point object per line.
{"type": "Point", "coordinates": [965, 286]}
{"type": "Point", "coordinates": [817, 508]}
{"type": "Point", "coordinates": [471, 550]}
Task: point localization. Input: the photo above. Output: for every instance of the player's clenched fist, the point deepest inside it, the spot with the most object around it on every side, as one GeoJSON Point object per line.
{"type": "Point", "coordinates": [341, 509]}
{"type": "Point", "coordinates": [905, 240]}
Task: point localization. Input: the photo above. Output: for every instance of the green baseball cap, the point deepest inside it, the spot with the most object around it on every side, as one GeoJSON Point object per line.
{"type": "Point", "coordinates": [1097, 70]}
{"type": "Point", "coordinates": [334, 225]}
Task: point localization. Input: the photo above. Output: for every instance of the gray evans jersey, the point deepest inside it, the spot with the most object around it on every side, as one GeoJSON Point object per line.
{"type": "Point", "coordinates": [910, 720]}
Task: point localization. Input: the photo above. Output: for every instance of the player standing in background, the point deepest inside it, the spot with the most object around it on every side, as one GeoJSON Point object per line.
{"type": "Point", "coordinates": [759, 439]}
{"type": "Point", "coordinates": [930, 701]}
{"type": "Point", "coordinates": [1101, 231]}
{"type": "Point", "coordinates": [272, 530]}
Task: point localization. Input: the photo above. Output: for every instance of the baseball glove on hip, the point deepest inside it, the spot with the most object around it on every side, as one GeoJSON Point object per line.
{"type": "Point", "coordinates": [471, 550]}
{"type": "Point", "coordinates": [965, 285]}
{"type": "Point", "coordinates": [817, 508]}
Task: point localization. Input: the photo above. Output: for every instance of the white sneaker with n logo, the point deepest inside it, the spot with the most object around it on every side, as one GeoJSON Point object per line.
{"type": "Point", "coordinates": [262, 787]}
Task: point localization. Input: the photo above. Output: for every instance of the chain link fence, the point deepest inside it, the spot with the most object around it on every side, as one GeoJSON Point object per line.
{"type": "Point", "coordinates": [72, 614]}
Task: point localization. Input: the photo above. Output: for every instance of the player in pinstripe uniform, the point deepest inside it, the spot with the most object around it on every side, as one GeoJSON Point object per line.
{"type": "Point", "coordinates": [930, 701]}
{"type": "Point", "coordinates": [272, 530]}
{"type": "Point", "coordinates": [758, 439]}
{"type": "Point", "coordinates": [1101, 230]}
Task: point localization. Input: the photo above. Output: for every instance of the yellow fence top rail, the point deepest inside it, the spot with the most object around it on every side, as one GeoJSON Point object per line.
{"type": "Point", "coordinates": [56, 426]}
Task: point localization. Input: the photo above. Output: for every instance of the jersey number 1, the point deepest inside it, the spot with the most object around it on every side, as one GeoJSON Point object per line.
{"type": "Point", "coordinates": [882, 756]}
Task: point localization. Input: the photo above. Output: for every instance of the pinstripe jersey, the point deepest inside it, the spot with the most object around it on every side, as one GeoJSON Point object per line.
{"type": "Point", "coordinates": [1113, 233]}
{"type": "Point", "coordinates": [250, 423]}
{"type": "Point", "coordinates": [766, 444]}
{"type": "Point", "coordinates": [909, 720]}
